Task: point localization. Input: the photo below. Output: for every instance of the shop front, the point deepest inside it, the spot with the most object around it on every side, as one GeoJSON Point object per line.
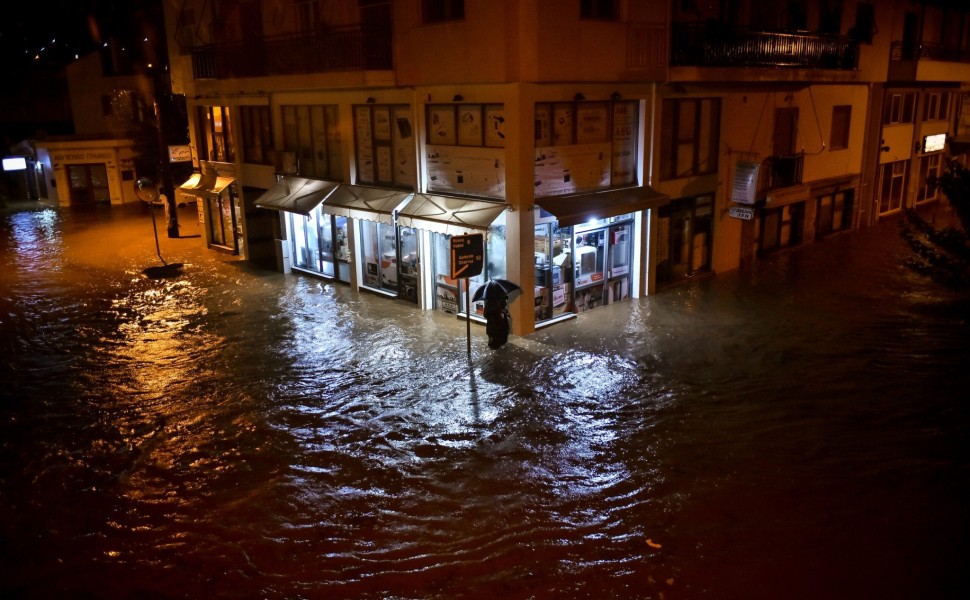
{"type": "Point", "coordinates": [426, 225]}
{"type": "Point", "coordinates": [219, 206]}
{"type": "Point", "coordinates": [586, 253]}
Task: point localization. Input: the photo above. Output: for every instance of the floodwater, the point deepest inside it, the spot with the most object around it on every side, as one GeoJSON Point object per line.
{"type": "Point", "coordinates": [797, 429]}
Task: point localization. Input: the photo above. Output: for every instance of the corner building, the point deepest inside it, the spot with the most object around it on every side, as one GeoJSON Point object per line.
{"type": "Point", "coordinates": [604, 149]}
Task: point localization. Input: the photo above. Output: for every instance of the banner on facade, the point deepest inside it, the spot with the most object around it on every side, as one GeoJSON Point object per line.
{"type": "Point", "coordinates": [745, 182]}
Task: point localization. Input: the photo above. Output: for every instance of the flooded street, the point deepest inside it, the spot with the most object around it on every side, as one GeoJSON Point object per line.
{"type": "Point", "coordinates": [794, 430]}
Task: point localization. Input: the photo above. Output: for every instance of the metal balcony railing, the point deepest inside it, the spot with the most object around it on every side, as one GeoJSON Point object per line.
{"type": "Point", "coordinates": [339, 49]}
{"type": "Point", "coordinates": [719, 45]}
{"type": "Point", "coordinates": [928, 51]}
{"type": "Point", "coordinates": [781, 171]}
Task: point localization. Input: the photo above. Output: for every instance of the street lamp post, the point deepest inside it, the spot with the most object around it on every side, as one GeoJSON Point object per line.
{"type": "Point", "coordinates": [147, 192]}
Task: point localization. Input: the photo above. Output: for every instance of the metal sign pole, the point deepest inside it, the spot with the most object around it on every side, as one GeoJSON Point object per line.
{"type": "Point", "coordinates": [468, 316]}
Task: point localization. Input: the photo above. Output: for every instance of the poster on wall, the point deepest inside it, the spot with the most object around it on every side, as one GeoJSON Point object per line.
{"type": "Point", "coordinates": [405, 172]}
{"type": "Point", "coordinates": [495, 126]}
{"type": "Point", "coordinates": [466, 170]}
{"type": "Point", "coordinates": [562, 125]}
{"type": "Point", "coordinates": [624, 168]}
{"type": "Point", "coordinates": [572, 169]}
{"type": "Point", "coordinates": [592, 122]}
{"type": "Point", "coordinates": [382, 123]}
{"type": "Point", "coordinates": [442, 125]}
{"type": "Point", "coordinates": [470, 125]}
{"type": "Point", "coordinates": [745, 185]}
{"type": "Point", "coordinates": [365, 145]}
{"type": "Point", "coordinates": [543, 124]}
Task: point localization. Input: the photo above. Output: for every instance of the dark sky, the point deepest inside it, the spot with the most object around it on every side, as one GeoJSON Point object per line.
{"type": "Point", "coordinates": [48, 35]}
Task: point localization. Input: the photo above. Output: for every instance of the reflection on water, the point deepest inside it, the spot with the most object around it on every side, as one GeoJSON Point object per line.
{"type": "Point", "coordinates": [791, 431]}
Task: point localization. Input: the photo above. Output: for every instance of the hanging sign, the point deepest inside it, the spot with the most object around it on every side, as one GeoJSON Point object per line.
{"type": "Point", "coordinates": [745, 182]}
{"type": "Point", "coordinates": [741, 212]}
{"type": "Point", "coordinates": [467, 255]}
{"type": "Point", "coordinates": [179, 154]}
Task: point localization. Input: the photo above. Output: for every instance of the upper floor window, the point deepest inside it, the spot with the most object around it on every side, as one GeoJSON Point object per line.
{"type": "Point", "coordinates": [841, 117]}
{"type": "Point", "coordinates": [384, 145]}
{"type": "Point", "coordinates": [436, 11]}
{"type": "Point", "coordinates": [899, 108]}
{"type": "Point", "coordinates": [936, 106]}
{"type": "Point", "coordinates": [257, 134]}
{"type": "Point", "coordinates": [599, 9]}
{"type": "Point", "coordinates": [311, 133]}
{"type": "Point", "coordinates": [215, 139]}
{"type": "Point", "coordinates": [689, 137]}
{"type": "Point", "coordinates": [584, 146]}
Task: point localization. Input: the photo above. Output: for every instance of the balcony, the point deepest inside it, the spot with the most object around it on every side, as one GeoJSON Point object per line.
{"type": "Point", "coordinates": [781, 172]}
{"type": "Point", "coordinates": [719, 45]}
{"type": "Point", "coordinates": [339, 49]}
{"type": "Point", "coordinates": [928, 51]}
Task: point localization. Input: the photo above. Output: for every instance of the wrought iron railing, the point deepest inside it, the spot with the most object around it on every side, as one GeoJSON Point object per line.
{"type": "Point", "coordinates": [718, 45]}
{"type": "Point", "coordinates": [928, 51]}
{"type": "Point", "coordinates": [781, 171]}
{"type": "Point", "coordinates": [339, 49]}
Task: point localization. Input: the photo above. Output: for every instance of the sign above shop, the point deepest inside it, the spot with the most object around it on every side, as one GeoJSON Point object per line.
{"type": "Point", "coordinates": [467, 255]}
{"type": "Point", "coordinates": [788, 195]}
{"type": "Point", "coordinates": [934, 143]}
{"type": "Point", "coordinates": [741, 212]}
{"type": "Point", "coordinates": [179, 154]}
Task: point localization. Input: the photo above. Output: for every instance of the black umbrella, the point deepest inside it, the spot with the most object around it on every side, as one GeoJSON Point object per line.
{"type": "Point", "coordinates": [496, 289]}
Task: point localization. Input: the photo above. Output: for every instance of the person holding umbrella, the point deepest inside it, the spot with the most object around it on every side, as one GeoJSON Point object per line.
{"type": "Point", "coordinates": [496, 294]}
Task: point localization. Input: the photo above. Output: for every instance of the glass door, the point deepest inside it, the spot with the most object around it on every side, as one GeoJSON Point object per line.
{"type": "Point", "coordinates": [408, 264]}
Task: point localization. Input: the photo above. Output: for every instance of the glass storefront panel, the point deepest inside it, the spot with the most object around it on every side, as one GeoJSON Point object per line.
{"type": "Point", "coordinates": [298, 246]}
{"type": "Point", "coordinates": [379, 249]}
{"type": "Point", "coordinates": [408, 264]}
{"type": "Point", "coordinates": [325, 234]}
{"type": "Point", "coordinates": [583, 267]}
{"type": "Point", "coordinates": [447, 297]}
{"type": "Point", "coordinates": [342, 248]}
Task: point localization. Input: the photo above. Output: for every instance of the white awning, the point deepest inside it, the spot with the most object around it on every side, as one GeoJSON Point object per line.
{"type": "Point", "coordinates": [450, 215]}
{"type": "Point", "coordinates": [367, 203]}
{"type": "Point", "coordinates": [199, 184]}
{"type": "Point", "coordinates": [296, 194]}
{"type": "Point", "coordinates": [581, 208]}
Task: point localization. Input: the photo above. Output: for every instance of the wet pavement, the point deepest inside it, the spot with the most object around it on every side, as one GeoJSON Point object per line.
{"type": "Point", "coordinates": [792, 430]}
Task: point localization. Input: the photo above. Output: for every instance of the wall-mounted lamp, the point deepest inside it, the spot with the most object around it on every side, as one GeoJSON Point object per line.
{"type": "Point", "coordinates": [615, 96]}
{"type": "Point", "coordinates": [370, 101]}
{"type": "Point", "coordinates": [458, 98]}
{"type": "Point", "coordinates": [579, 97]}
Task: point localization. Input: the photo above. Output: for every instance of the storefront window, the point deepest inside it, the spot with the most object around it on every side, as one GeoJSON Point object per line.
{"type": "Point", "coordinates": [300, 251]}
{"type": "Point", "coordinates": [782, 227]}
{"type": "Point", "coordinates": [834, 213]}
{"type": "Point", "coordinates": [684, 238]}
{"type": "Point", "coordinates": [583, 267]}
{"type": "Point", "coordinates": [408, 264]}
{"type": "Point", "coordinates": [448, 298]}
{"type": "Point", "coordinates": [379, 249]}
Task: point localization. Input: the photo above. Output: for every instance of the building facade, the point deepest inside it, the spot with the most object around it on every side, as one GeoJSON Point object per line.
{"type": "Point", "coordinates": [603, 149]}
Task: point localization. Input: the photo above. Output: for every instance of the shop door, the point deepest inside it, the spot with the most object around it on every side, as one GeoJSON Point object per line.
{"type": "Point", "coordinates": [89, 184]}
{"type": "Point", "coordinates": [685, 231]}
{"type": "Point", "coordinates": [620, 257]}
{"type": "Point", "coordinates": [222, 222]}
{"type": "Point", "coordinates": [590, 268]}
{"type": "Point", "coordinates": [408, 264]}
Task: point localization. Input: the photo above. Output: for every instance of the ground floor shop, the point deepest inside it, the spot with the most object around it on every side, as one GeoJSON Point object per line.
{"type": "Point", "coordinates": [389, 242]}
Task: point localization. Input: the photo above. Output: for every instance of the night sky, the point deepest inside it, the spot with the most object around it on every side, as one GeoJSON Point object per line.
{"type": "Point", "coordinates": [37, 40]}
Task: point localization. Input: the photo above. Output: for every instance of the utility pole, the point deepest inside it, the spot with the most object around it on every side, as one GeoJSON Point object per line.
{"type": "Point", "coordinates": [164, 172]}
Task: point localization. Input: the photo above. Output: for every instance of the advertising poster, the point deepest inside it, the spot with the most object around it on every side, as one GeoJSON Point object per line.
{"type": "Point", "coordinates": [572, 169]}
{"type": "Point", "coordinates": [470, 125]}
{"type": "Point", "coordinates": [624, 168]}
{"type": "Point", "coordinates": [592, 122]}
{"type": "Point", "coordinates": [562, 125]}
{"type": "Point", "coordinates": [405, 171]}
{"type": "Point", "coordinates": [495, 126]}
{"type": "Point", "coordinates": [365, 144]}
{"type": "Point", "coordinates": [745, 186]}
{"type": "Point", "coordinates": [466, 170]}
{"type": "Point", "coordinates": [442, 125]}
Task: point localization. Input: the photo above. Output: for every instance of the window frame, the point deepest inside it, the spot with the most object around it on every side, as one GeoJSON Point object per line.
{"type": "Point", "coordinates": [442, 11]}
{"type": "Point", "coordinates": [839, 137]}
{"type": "Point", "coordinates": [673, 139]}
